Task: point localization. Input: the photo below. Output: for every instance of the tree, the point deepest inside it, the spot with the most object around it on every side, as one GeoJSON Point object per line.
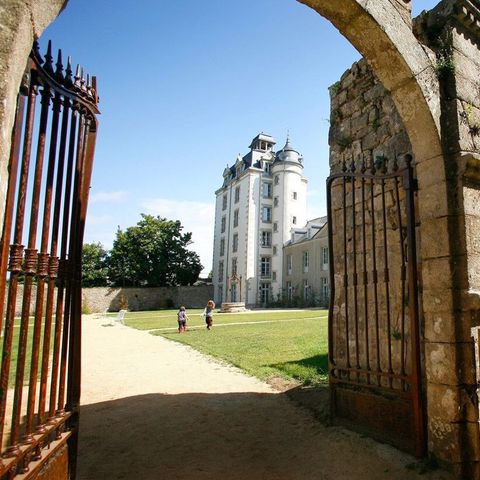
{"type": "Point", "coordinates": [153, 253]}
{"type": "Point", "coordinates": [94, 265]}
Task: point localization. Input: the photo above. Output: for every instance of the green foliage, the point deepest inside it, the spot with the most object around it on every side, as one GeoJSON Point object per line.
{"type": "Point", "coordinates": [468, 117]}
{"type": "Point", "coordinates": [86, 308]}
{"type": "Point", "coordinates": [445, 65]}
{"type": "Point", "coordinates": [94, 265]}
{"type": "Point", "coordinates": [153, 253]}
{"type": "Point", "coordinates": [334, 88]}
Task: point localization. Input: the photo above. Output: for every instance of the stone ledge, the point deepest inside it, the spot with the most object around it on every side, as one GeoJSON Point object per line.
{"type": "Point", "coordinates": [233, 307]}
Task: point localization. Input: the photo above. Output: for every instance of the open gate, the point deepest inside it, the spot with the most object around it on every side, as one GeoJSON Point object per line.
{"type": "Point", "coordinates": [374, 339]}
{"type": "Point", "coordinates": [50, 166]}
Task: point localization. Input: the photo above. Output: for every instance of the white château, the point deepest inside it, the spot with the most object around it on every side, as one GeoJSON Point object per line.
{"type": "Point", "coordinates": [263, 196]}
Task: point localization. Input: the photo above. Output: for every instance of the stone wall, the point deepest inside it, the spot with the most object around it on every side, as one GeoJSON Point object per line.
{"type": "Point", "coordinates": [100, 298]}
{"type": "Point", "coordinates": [366, 131]}
{"type": "Point", "coordinates": [96, 300]}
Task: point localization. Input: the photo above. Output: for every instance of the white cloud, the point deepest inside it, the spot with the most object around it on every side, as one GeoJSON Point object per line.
{"type": "Point", "coordinates": [195, 217]}
{"type": "Point", "coordinates": [96, 220]}
{"type": "Point", "coordinates": [108, 197]}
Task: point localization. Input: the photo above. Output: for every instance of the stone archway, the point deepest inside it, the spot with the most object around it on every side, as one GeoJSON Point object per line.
{"type": "Point", "coordinates": [382, 32]}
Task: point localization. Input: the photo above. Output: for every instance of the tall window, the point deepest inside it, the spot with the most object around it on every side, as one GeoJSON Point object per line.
{"type": "Point", "coordinates": [237, 194]}
{"type": "Point", "coordinates": [324, 257]}
{"type": "Point", "coordinates": [266, 214]}
{"type": "Point", "coordinates": [222, 247]}
{"type": "Point", "coordinates": [223, 225]}
{"type": "Point", "coordinates": [294, 220]}
{"type": "Point", "coordinates": [234, 266]}
{"type": "Point", "coordinates": [275, 227]}
{"type": "Point", "coordinates": [305, 261]}
{"type": "Point", "coordinates": [274, 276]}
{"type": "Point", "coordinates": [294, 195]}
{"type": "Point", "coordinates": [235, 218]}
{"type": "Point", "coordinates": [220, 271]}
{"type": "Point", "coordinates": [289, 264]}
{"type": "Point", "coordinates": [235, 242]}
{"type": "Point", "coordinates": [267, 190]}
{"type": "Point", "coordinates": [325, 289]}
{"type": "Point", "coordinates": [268, 168]}
{"type": "Point", "coordinates": [266, 239]}
{"type": "Point", "coordinates": [266, 269]}
{"type": "Point", "coordinates": [224, 204]}
{"type": "Point", "coordinates": [306, 289]}
{"type": "Point", "coordinates": [275, 202]}
{"type": "Point", "coordinates": [233, 292]}
{"type": "Point", "coordinates": [289, 291]}
{"type": "Point", "coordinates": [264, 292]}
{"type": "Point", "coordinates": [277, 180]}
{"type": "Point", "coordinates": [274, 250]}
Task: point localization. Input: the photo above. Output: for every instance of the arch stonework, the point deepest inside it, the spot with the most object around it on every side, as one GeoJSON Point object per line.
{"type": "Point", "coordinates": [450, 279]}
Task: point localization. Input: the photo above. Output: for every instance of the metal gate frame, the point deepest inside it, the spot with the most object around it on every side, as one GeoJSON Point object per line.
{"type": "Point", "coordinates": [384, 402]}
{"type": "Point", "coordinates": [51, 262]}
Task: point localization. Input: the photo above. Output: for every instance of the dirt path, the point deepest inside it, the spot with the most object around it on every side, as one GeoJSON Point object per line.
{"type": "Point", "coordinates": [154, 409]}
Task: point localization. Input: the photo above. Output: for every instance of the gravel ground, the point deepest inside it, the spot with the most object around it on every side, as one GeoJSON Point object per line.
{"type": "Point", "coordinates": [154, 409]}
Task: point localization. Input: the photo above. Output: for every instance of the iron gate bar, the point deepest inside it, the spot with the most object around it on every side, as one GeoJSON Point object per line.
{"type": "Point", "coordinates": [73, 126]}
{"type": "Point", "coordinates": [365, 276]}
{"type": "Point", "coordinates": [404, 384]}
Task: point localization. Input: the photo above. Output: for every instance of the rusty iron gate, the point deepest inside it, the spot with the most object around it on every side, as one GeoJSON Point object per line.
{"type": "Point", "coordinates": [50, 166]}
{"type": "Point", "coordinates": [374, 338]}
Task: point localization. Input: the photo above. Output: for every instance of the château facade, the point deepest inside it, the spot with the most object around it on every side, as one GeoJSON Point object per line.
{"type": "Point", "coordinates": [263, 196]}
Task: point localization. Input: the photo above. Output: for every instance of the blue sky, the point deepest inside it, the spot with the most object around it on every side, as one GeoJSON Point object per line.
{"type": "Point", "coordinates": [184, 86]}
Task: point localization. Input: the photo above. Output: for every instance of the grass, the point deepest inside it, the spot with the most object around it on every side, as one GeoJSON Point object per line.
{"type": "Point", "coordinates": [289, 344]}
{"type": "Point", "coordinates": [14, 350]}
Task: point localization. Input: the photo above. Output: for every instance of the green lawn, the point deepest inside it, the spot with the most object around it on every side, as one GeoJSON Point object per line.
{"type": "Point", "coordinates": [289, 344]}
{"type": "Point", "coordinates": [14, 351]}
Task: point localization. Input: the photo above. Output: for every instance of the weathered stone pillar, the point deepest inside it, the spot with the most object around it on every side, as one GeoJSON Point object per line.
{"type": "Point", "coordinates": [452, 306]}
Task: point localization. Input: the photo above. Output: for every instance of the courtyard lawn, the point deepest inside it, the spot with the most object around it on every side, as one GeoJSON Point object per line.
{"type": "Point", "coordinates": [290, 344]}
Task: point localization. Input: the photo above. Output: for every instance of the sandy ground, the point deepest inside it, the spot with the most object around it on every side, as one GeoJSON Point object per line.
{"type": "Point", "coordinates": [154, 409]}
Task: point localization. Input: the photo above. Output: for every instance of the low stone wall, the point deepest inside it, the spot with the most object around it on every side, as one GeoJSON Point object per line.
{"type": "Point", "coordinates": [100, 298]}
{"type": "Point", "coordinates": [96, 300]}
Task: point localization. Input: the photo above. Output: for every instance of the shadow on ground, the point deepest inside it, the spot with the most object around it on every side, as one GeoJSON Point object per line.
{"type": "Point", "coordinates": [234, 436]}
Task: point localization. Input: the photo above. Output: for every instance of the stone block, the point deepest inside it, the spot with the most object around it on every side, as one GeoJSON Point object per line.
{"type": "Point", "coordinates": [465, 65]}
{"type": "Point", "coordinates": [444, 440]}
{"type": "Point", "coordinates": [441, 363]}
{"type": "Point", "coordinates": [436, 273]}
{"type": "Point", "coordinates": [433, 202]}
{"type": "Point", "coordinates": [430, 171]}
{"type": "Point", "coordinates": [437, 300]}
{"type": "Point", "coordinates": [435, 238]}
{"type": "Point", "coordinates": [444, 402]}
{"type": "Point", "coordinates": [471, 203]}
{"type": "Point", "coordinates": [441, 327]}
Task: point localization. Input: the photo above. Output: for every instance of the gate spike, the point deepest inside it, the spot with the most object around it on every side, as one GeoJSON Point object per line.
{"type": "Point", "coordinates": [59, 65]}
{"type": "Point", "coordinates": [353, 168]}
{"type": "Point", "coordinates": [68, 73]}
{"type": "Point", "coordinates": [344, 164]}
{"type": "Point", "coordinates": [36, 50]}
{"type": "Point", "coordinates": [49, 59]}
{"type": "Point", "coordinates": [77, 77]}
{"type": "Point", "coordinates": [82, 83]}
{"type": "Point", "coordinates": [94, 89]}
{"type": "Point", "coordinates": [89, 87]}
